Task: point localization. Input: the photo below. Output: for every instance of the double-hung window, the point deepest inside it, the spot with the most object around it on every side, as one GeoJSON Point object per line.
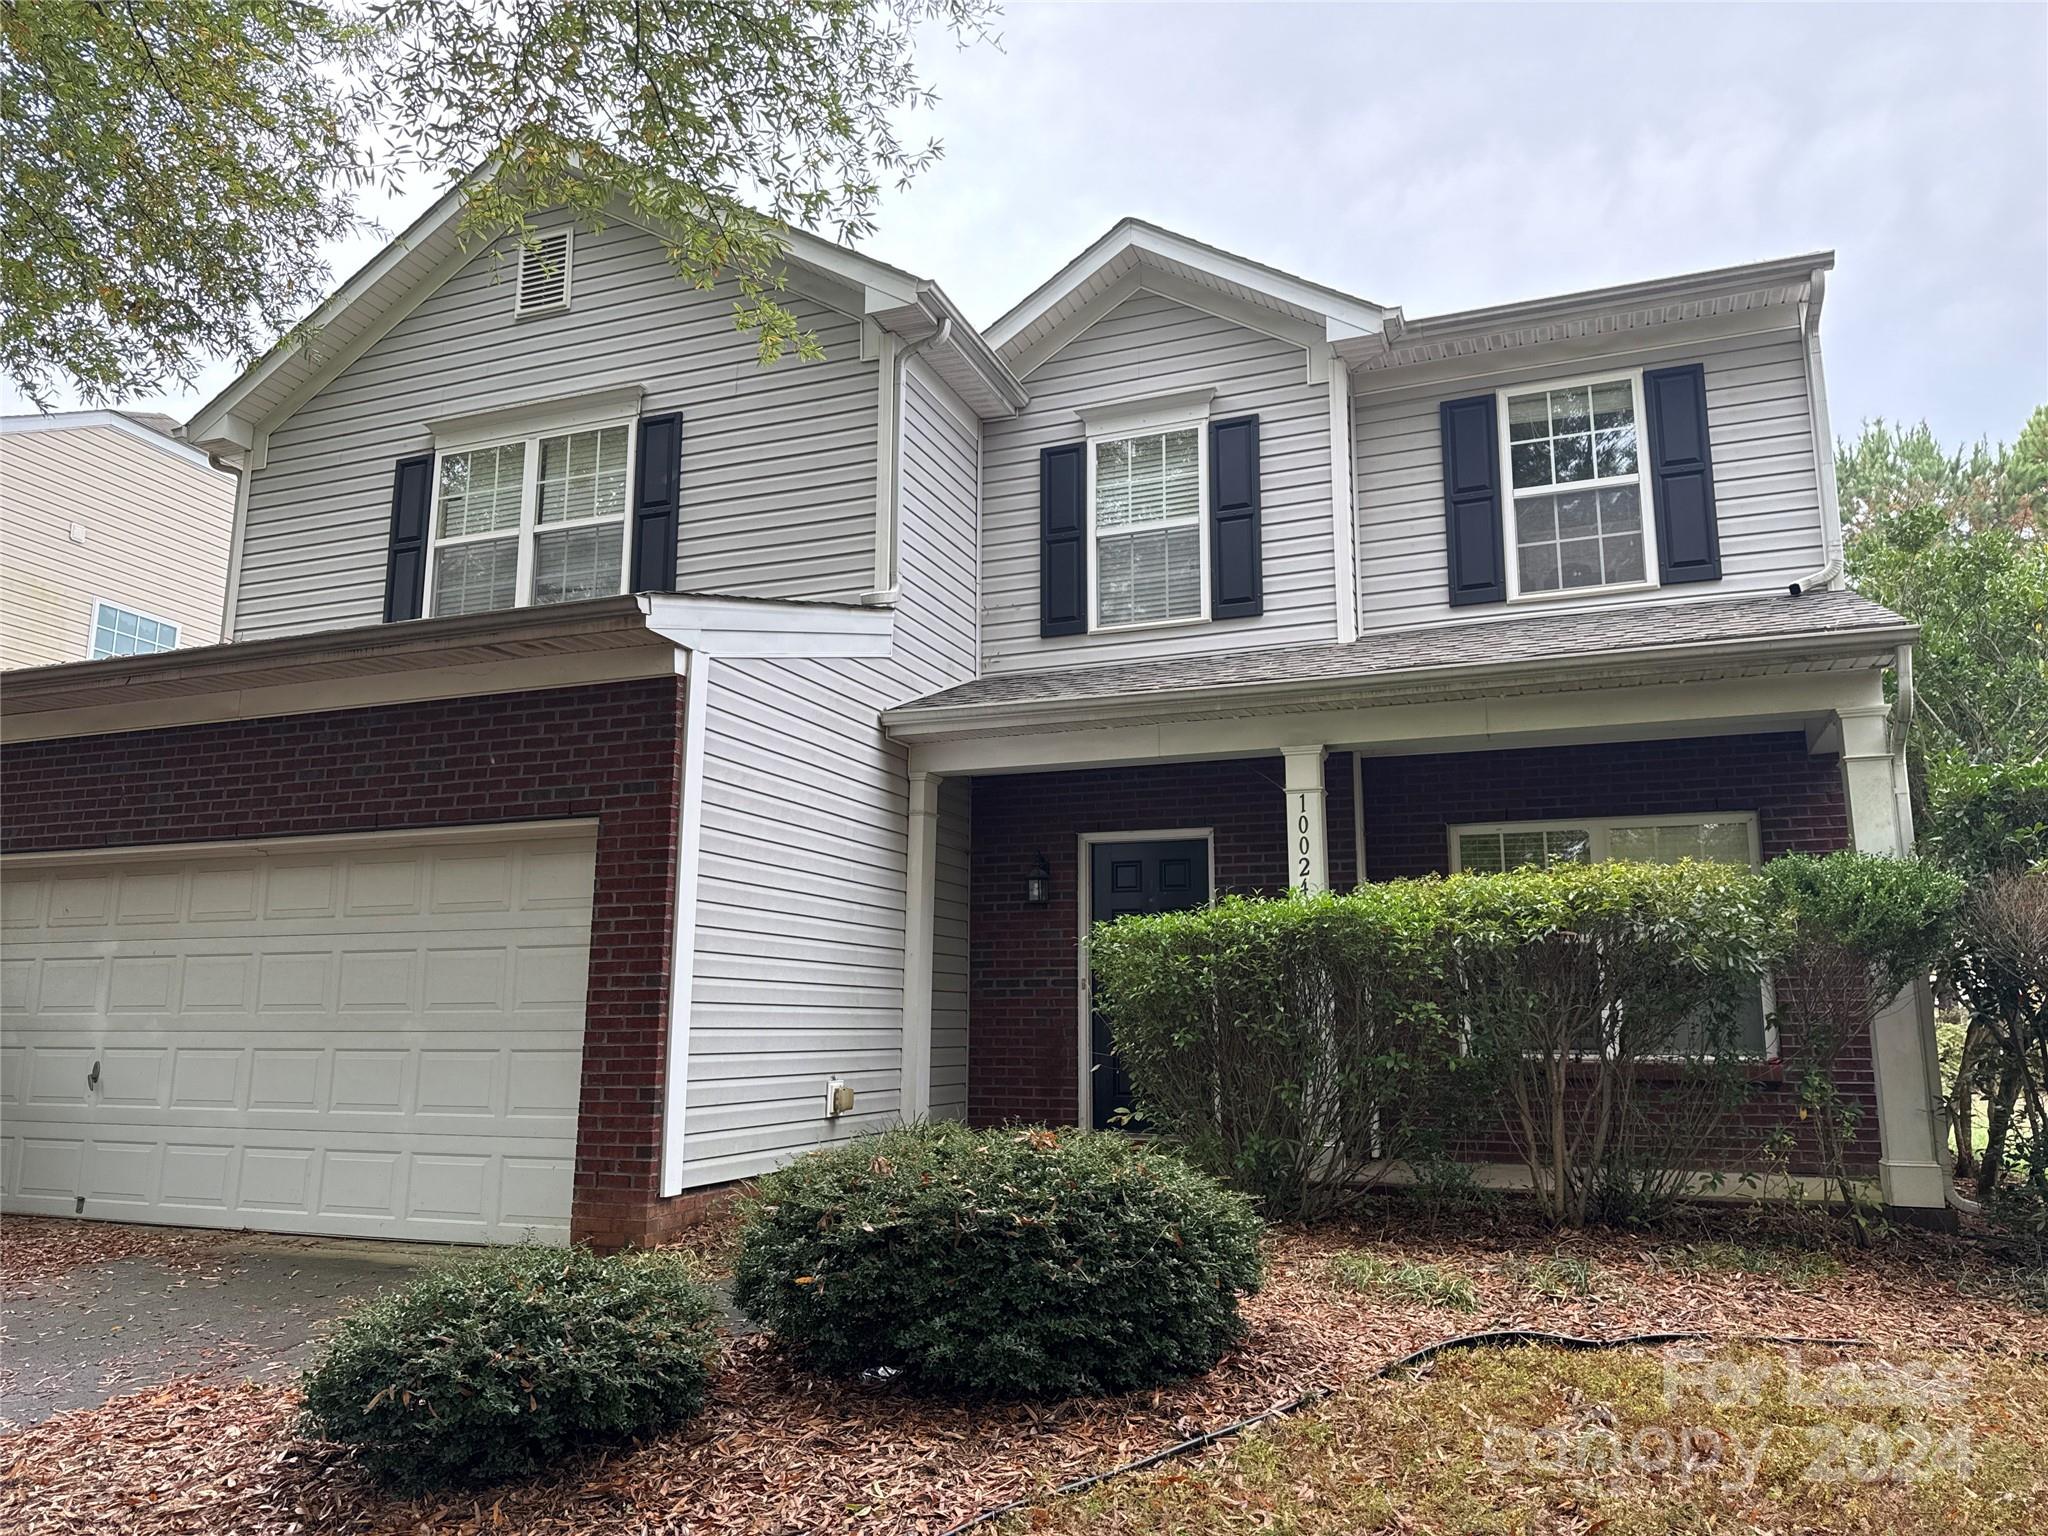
{"type": "Point", "coordinates": [1720, 839]}
{"type": "Point", "coordinates": [531, 520]}
{"type": "Point", "coordinates": [1148, 494]}
{"type": "Point", "coordinates": [1580, 498]}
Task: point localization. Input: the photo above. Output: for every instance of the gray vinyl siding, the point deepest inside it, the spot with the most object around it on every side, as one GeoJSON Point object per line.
{"type": "Point", "coordinates": [778, 461]}
{"type": "Point", "coordinates": [1150, 345]}
{"type": "Point", "coordinates": [805, 848]}
{"type": "Point", "coordinates": [949, 953]}
{"type": "Point", "coordinates": [1766, 487]}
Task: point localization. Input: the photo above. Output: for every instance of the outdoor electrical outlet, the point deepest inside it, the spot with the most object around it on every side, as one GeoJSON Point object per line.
{"type": "Point", "coordinates": [838, 1098]}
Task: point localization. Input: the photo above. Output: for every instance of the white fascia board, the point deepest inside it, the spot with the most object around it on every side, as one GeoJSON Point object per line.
{"type": "Point", "coordinates": [748, 627]}
{"type": "Point", "coordinates": [1134, 235]}
{"type": "Point", "coordinates": [910, 723]}
{"type": "Point", "coordinates": [1651, 711]}
{"type": "Point", "coordinates": [207, 422]}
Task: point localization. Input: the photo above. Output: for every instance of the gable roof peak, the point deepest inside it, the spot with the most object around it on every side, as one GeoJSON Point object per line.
{"type": "Point", "coordinates": [1152, 251]}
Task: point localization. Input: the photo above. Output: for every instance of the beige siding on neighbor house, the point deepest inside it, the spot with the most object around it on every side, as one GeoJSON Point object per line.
{"type": "Point", "coordinates": [778, 483]}
{"type": "Point", "coordinates": [1766, 489]}
{"type": "Point", "coordinates": [156, 539]}
{"type": "Point", "coordinates": [1150, 345]}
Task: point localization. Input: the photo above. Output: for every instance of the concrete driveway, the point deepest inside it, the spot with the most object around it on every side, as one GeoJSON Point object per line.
{"type": "Point", "coordinates": [179, 1304]}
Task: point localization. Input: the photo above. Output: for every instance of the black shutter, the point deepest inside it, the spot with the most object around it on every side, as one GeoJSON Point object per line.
{"type": "Point", "coordinates": [1472, 500]}
{"type": "Point", "coordinates": [1682, 474]}
{"type": "Point", "coordinates": [1234, 519]}
{"type": "Point", "coordinates": [1063, 540]}
{"type": "Point", "coordinates": [405, 564]}
{"type": "Point", "coordinates": [657, 480]}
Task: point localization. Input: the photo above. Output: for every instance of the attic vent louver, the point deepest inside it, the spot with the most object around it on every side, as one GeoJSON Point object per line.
{"type": "Point", "coordinates": [544, 273]}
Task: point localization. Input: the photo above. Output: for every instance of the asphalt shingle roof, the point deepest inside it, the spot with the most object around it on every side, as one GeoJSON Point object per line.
{"type": "Point", "coordinates": [1535, 637]}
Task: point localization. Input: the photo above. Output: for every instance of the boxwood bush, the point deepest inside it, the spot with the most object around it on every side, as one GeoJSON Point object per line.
{"type": "Point", "coordinates": [495, 1366]}
{"type": "Point", "coordinates": [1012, 1262]}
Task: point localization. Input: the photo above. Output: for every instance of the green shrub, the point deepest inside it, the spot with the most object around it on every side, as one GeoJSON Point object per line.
{"type": "Point", "coordinates": [498, 1365]}
{"type": "Point", "coordinates": [1851, 930]}
{"type": "Point", "coordinates": [1429, 1285]}
{"type": "Point", "coordinates": [1289, 1046]}
{"type": "Point", "coordinates": [1015, 1262]}
{"type": "Point", "coordinates": [1603, 1004]}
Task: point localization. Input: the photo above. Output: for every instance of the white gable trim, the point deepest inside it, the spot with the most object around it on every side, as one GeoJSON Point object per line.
{"type": "Point", "coordinates": [1350, 315]}
{"type": "Point", "coordinates": [1164, 285]}
{"type": "Point", "coordinates": [113, 421]}
{"type": "Point", "coordinates": [231, 423]}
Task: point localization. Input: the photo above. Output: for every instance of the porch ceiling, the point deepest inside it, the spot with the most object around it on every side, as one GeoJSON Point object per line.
{"type": "Point", "coordinates": [1649, 644]}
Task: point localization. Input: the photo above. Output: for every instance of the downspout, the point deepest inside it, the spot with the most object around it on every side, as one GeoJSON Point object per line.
{"type": "Point", "coordinates": [236, 528]}
{"type": "Point", "coordinates": [1823, 440]}
{"type": "Point", "coordinates": [891, 590]}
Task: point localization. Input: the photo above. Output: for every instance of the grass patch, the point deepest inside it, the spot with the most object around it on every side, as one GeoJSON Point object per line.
{"type": "Point", "coordinates": [1430, 1285]}
{"type": "Point", "coordinates": [1558, 1276]}
{"type": "Point", "coordinates": [1792, 1267]}
{"type": "Point", "coordinates": [1626, 1442]}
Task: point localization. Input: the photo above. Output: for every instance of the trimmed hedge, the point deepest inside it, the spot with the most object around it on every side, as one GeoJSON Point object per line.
{"type": "Point", "coordinates": [1009, 1263]}
{"type": "Point", "coordinates": [497, 1366]}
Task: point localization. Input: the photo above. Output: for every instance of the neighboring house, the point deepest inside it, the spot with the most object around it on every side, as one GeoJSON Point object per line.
{"type": "Point", "coordinates": [113, 538]}
{"type": "Point", "coordinates": [635, 765]}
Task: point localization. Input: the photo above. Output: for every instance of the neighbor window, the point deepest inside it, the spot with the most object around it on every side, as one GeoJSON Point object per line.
{"type": "Point", "coordinates": [118, 631]}
{"type": "Point", "coordinates": [1577, 487]}
{"type": "Point", "coordinates": [536, 520]}
{"type": "Point", "coordinates": [1146, 507]}
{"type": "Point", "coordinates": [1726, 839]}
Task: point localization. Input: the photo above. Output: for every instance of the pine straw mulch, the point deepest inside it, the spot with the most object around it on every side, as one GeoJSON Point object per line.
{"type": "Point", "coordinates": [781, 1451]}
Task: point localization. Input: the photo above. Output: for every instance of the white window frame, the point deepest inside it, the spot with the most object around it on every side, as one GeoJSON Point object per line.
{"type": "Point", "coordinates": [1641, 480]}
{"type": "Point", "coordinates": [1597, 829]}
{"type": "Point", "coordinates": [92, 632]}
{"type": "Point", "coordinates": [1123, 431]}
{"type": "Point", "coordinates": [529, 504]}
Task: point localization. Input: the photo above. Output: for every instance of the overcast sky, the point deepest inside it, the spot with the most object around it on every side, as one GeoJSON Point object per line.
{"type": "Point", "coordinates": [1449, 156]}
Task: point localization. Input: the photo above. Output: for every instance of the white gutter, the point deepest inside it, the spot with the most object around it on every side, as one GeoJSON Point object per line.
{"type": "Point", "coordinates": [236, 528]}
{"type": "Point", "coordinates": [1823, 439]}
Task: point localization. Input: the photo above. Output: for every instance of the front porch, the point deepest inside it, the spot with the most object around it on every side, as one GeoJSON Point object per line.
{"type": "Point", "coordinates": [1747, 757]}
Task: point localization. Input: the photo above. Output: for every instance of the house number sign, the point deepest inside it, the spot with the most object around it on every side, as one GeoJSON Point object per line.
{"type": "Point", "coordinates": [1305, 846]}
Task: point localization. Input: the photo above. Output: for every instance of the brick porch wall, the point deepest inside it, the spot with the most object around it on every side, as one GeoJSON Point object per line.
{"type": "Point", "coordinates": [1025, 977]}
{"type": "Point", "coordinates": [1024, 970]}
{"type": "Point", "coordinates": [609, 752]}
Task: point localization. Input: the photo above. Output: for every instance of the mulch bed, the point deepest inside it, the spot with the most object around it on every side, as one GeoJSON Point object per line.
{"type": "Point", "coordinates": [781, 1451]}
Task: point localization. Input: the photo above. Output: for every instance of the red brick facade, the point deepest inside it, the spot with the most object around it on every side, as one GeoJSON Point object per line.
{"type": "Point", "coordinates": [1024, 1030]}
{"type": "Point", "coordinates": [1024, 976]}
{"type": "Point", "coordinates": [608, 752]}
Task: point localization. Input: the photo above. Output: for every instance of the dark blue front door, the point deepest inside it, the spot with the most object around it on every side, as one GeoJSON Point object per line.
{"type": "Point", "coordinates": [1136, 877]}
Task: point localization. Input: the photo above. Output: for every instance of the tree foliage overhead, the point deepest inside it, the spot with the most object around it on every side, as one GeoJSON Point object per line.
{"type": "Point", "coordinates": [173, 168]}
{"type": "Point", "coordinates": [1958, 543]}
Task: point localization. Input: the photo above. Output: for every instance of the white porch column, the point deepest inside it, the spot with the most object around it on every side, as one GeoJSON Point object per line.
{"type": "Point", "coordinates": [1912, 1167]}
{"type": "Point", "coordinates": [919, 905]}
{"type": "Point", "coordinates": [1308, 839]}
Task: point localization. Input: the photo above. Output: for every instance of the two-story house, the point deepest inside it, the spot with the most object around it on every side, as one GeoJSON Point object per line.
{"type": "Point", "coordinates": [634, 765]}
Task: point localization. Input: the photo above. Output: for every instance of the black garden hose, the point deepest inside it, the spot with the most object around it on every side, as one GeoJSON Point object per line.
{"type": "Point", "coordinates": [1496, 1339]}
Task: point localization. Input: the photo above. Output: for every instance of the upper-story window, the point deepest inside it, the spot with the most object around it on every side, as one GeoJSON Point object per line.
{"type": "Point", "coordinates": [1148, 525]}
{"type": "Point", "coordinates": [118, 631]}
{"type": "Point", "coordinates": [1579, 493]}
{"type": "Point", "coordinates": [539, 519]}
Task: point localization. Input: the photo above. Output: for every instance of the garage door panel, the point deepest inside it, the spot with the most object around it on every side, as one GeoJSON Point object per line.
{"type": "Point", "coordinates": [383, 1042]}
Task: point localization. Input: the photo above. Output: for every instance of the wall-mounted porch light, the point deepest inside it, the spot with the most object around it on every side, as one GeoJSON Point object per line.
{"type": "Point", "coordinates": [1038, 884]}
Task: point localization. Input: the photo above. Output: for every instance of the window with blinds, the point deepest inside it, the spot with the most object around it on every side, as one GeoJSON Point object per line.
{"type": "Point", "coordinates": [1147, 507]}
{"type": "Point", "coordinates": [540, 520]}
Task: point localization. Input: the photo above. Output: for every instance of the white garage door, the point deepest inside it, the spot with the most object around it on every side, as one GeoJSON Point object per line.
{"type": "Point", "coordinates": [370, 1036]}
